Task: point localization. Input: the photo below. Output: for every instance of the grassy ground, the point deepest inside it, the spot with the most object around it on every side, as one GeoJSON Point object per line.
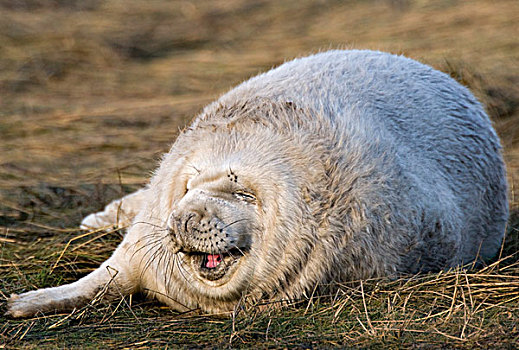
{"type": "Point", "coordinates": [92, 91]}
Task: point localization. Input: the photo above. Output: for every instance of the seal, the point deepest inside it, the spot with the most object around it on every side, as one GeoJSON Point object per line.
{"type": "Point", "coordinates": [340, 166]}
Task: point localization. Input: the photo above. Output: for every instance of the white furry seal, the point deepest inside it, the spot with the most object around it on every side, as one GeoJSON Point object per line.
{"type": "Point", "coordinates": [336, 167]}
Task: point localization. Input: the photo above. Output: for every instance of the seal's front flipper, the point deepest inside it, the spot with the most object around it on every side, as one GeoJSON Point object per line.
{"type": "Point", "coordinates": [120, 212]}
{"type": "Point", "coordinates": [112, 280]}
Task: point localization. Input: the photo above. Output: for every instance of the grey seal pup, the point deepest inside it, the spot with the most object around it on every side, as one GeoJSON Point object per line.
{"type": "Point", "coordinates": [336, 167]}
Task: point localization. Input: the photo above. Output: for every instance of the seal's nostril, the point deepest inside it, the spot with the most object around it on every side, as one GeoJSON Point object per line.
{"type": "Point", "coordinates": [186, 221]}
{"type": "Point", "coordinates": [189, 220]}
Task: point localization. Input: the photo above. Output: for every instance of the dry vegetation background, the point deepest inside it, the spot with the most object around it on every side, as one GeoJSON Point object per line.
{"type": "Point", "coordinates": [93, 91]}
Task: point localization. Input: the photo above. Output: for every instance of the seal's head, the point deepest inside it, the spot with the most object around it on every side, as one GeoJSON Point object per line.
{"type": "Point", "coordinates": [242, 206]}
{"type": "Point", "coordinates": [213, 225]}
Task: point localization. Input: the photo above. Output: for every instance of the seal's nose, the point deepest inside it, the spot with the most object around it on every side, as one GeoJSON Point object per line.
{"type": "Point", "coordinates": [188, 221]}
{"type": "Point", "coordinates": [184, 223]}
{"type": "Point", "coordinates": [182, 228]}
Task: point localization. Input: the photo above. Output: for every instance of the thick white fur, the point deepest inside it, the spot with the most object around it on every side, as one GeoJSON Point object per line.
{"type": "Point", "coordinates": [363, 164]}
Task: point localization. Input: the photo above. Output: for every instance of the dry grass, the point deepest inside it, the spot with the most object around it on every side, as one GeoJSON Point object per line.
{"type": "Point", "coordinates": [457, 308]}
{"type": "Point", "coordinates": [91, 92]}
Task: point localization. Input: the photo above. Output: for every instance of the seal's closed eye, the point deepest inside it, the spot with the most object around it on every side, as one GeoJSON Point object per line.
{"type": "Point", "coordinates": [245, 196]}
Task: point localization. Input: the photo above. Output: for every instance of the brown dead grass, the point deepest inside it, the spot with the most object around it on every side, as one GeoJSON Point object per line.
{"type": "Point", "coordinates": [91, 92]}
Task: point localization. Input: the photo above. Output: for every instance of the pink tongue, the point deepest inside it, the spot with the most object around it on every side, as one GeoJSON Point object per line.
{"type": "Point", "coordinates": [213, 260]}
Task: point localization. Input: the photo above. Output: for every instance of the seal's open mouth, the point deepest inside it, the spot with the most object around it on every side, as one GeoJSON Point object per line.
{"type": "Point", "coordinates": [214, 266]}
{"type": "Point", "coordinates": [212, 260]}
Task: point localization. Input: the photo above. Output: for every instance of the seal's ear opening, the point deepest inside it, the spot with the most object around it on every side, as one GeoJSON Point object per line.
{"type": "Point", "coordinates": [306, 194]}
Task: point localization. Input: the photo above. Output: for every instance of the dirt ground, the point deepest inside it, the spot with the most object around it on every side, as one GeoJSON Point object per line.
{"type": "Point", "coordinates": [92, 92]}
